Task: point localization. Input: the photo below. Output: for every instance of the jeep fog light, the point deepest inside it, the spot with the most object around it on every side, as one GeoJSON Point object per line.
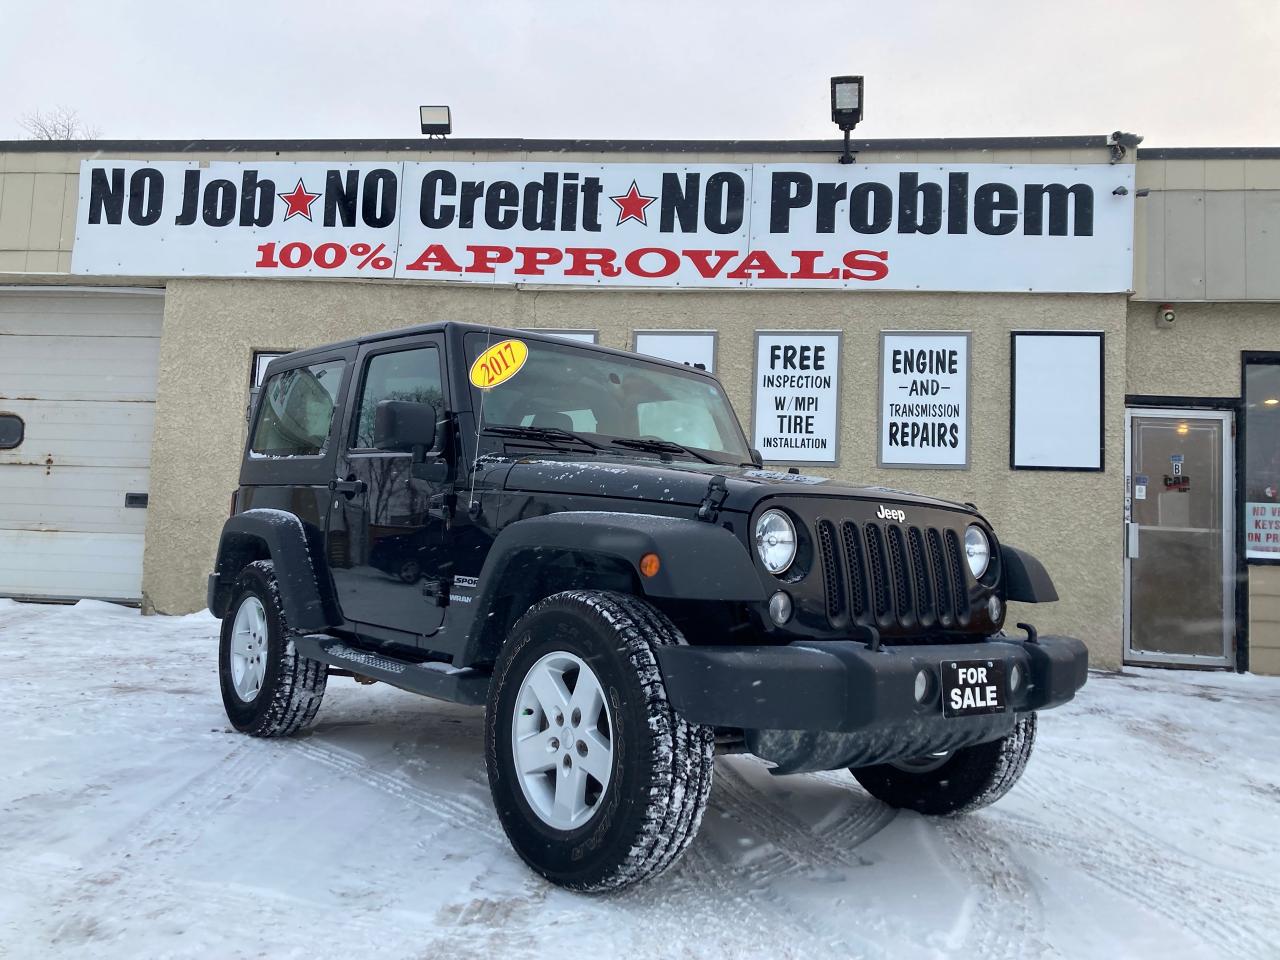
{"type": "Point", "coordinates": [775, 541]}
{"type": "Point", "coordinates": [977, 549]}
{"type": "Point", "coordinates": [924, 685]}
{"type": "Point", "coordinates": [780, 607]}
{"type": "Point", "coordinates": [1015, 677]}
{"type": "Point", "coordinates": [994, 609]}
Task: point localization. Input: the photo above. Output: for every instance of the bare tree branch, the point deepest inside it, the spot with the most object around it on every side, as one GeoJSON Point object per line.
{"type": "Point", "coordinates": [60, 123]}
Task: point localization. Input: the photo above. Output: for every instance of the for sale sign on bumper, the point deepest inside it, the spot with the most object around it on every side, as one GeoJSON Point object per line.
{"type": "Point", "coordinates": [955, 227]}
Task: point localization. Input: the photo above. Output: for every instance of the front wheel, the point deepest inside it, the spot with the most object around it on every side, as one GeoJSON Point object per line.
{"type": "Point", "coordinates": [597, 781]}
{"type": "Point", "coordinates": [965, 780]}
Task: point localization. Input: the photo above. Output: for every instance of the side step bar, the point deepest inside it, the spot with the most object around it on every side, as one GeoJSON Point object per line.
{"type": "Point", "coordinates": [437, 680]}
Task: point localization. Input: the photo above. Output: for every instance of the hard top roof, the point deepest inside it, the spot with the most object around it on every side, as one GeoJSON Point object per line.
{"type": "Point", "coordinates": [498, 333]}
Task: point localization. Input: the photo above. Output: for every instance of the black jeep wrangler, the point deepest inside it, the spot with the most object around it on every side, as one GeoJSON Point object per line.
{"type": "Point", "coordinates": [582, 541]}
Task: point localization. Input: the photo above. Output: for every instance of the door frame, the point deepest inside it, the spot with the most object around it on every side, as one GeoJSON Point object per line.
{"type": "Point", "coordinates": [1227, 410]}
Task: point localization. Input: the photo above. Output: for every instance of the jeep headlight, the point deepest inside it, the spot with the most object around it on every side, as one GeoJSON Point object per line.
{"type": "Point", "coordinates": [775, 541]}
{"type": "Point", "coordinates": [977, 550]}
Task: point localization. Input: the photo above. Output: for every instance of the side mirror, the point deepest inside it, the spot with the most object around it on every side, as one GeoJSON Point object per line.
{"type": "Point", "coordinates": [757, 457]}
{"type": "Point", "coordinates": [404, 425]}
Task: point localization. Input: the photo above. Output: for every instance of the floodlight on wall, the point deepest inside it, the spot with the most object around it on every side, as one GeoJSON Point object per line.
{"type": "Point", "coordinates": [846, 108]}
{"type": "Point", "coordinates": [436, 121]}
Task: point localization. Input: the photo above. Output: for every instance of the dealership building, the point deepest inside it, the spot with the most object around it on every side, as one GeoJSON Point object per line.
{"type": "Point", "coordinates": [1080, 337]}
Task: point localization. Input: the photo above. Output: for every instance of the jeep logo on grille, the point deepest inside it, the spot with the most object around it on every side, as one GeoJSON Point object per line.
{"type": "Point", "coordinates": [887, 514]}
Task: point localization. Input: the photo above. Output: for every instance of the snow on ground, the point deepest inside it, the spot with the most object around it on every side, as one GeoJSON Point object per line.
{"type": "Point", "coordinates": [135, 823]}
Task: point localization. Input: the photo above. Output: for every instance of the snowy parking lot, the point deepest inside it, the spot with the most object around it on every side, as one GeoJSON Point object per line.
{"type": "Point", "coordinates": [135, 823]}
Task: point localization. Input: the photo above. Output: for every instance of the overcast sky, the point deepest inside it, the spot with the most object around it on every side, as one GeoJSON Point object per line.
{"type": "Point", "coordinates": [1180, 72]}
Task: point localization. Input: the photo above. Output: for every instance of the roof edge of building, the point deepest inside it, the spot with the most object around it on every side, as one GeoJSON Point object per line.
{"type": "Point", "coordinates": [497, 145]}
{"type": "Point", "coordinates": [1209, 153]}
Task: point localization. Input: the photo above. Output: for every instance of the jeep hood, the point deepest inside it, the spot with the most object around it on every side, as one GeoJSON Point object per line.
{"type": "Point", "coordinates": [686, 482]}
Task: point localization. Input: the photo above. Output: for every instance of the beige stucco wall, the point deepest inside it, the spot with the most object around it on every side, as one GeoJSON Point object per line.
{"type": "Point", "coordinates": [1199, 356]}
{"type": "Point", "coordinates": [1069, 519]}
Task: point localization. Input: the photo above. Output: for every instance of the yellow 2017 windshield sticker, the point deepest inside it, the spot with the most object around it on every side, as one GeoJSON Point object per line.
{"type": "Point", "coordinates": [499, 363]}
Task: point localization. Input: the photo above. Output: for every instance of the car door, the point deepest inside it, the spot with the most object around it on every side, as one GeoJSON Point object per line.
{"type": "Point", "coordinates": [388, 534]}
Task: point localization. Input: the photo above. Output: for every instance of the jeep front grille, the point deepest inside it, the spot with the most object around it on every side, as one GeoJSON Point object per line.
{"type": "Point", "coordinates": [892, 576]}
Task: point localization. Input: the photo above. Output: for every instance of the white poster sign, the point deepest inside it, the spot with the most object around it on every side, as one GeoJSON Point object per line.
{"type": "Point", "coordinates": [1056, 419]}
{"type": "Point", "coordinates": [952, 227]}
{"type": "Point", "coordinates": [797, 396]}
{"type": "Point", "coordinates": [1262, 531]}
{"type": "Point", "coordinates": [924, 399]}
{"type": "Point", "coordinates": [696, 348]}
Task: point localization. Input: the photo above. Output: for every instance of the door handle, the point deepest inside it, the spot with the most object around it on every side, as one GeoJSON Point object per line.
{"type": "Point", "coordinates": [442, 505]}
{"type": "Point", "coordinates": [1131, 540]}
{"type": "Point", "coordinates": [348, 487]}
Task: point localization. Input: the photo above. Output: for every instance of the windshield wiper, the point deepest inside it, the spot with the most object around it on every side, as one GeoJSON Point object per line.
{"type": "Point", "coordinates": [540, 433]}
{"type": "Point", "coordinates": [662, 446]}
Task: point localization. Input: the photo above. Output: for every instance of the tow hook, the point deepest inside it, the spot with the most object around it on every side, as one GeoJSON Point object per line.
{"type": "Point", "coordinates": [1032, 635]}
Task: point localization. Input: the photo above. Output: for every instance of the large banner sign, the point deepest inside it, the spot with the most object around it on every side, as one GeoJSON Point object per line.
{"type": "Point", "coordinates": [954, 227]}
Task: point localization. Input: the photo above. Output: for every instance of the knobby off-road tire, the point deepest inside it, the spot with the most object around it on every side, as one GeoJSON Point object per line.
{"type": "Point", "coordinates": [289, 687]}
{"type": "Point", "coordinates": [660, 766]}
{"type": "Point", "coordinates": [972, 778]}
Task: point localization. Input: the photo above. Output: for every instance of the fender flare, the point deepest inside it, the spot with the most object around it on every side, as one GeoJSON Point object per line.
{"type": "Point", "coordinates": [292, 546]}
{"type": "Point", "coordinates": [697, 560]}
{"type": "Point", "coordinates": [1025, 578]}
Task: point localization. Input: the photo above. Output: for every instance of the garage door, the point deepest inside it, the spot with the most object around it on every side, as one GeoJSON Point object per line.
{"type": "Point", "coordinates": [78, 382]}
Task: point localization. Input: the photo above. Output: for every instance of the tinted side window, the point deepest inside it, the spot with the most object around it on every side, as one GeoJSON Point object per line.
{"type": "Point", "coordinates": [297, 411]}
{"type": "Point", "coordinates": [412, 375]}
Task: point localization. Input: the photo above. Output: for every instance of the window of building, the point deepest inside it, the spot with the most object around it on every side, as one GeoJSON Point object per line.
{"type": "Point", "coordinates": [412, 375]}
{"type": "Point", "coordinates": [12, 430]}
{"type": "Point", "coordinates": [1262, 456]}
{"type": "Point", "coordinates": [259, 371]}
{"type": "Point", "coordinates": [297, 411]}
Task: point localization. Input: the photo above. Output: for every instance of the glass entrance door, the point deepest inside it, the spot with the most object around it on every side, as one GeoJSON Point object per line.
{"type": "Point", "coordinates": [1179, 537]}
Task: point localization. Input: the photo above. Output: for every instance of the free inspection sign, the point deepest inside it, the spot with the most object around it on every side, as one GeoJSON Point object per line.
{"type": "Point", "coordinates": [797, 396]}
{"type": "Point", "coordinates": [954, 227]}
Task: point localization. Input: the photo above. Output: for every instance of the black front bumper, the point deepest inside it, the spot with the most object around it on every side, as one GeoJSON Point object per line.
{"type": "Point", "coordinates": [823, 705]}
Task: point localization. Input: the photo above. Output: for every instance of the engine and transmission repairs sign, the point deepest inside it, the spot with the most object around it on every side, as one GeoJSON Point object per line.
{"type": "Point", "coordinates": [924, 399]}
{"type": "Point", "coordinates": [951, 227]}
{"type": "Point", "coordinates": [797, 391]}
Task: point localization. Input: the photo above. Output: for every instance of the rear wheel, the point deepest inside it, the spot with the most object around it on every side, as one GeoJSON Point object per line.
{"type": "Point", "coordinates": [956, 782]}
{"type": "Point", "coordinates": [268, 688]}
{"type": "Point", "coordinates": [597, 781]}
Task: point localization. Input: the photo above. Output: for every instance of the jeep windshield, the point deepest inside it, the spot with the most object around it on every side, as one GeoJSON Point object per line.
{"type": "Point", "coordinates": [576, 390]}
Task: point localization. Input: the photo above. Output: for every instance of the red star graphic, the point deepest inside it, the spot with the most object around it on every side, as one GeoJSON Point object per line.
{"type": "Point", "coordinates": [631, 205]}
{"type": "Point", "coordinates": [299, 202]}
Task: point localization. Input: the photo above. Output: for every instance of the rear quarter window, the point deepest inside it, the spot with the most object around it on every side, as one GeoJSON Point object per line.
{"type": "Point", "coordinates": [296, 411]}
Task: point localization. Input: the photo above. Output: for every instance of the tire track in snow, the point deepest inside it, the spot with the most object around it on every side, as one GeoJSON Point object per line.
{"type": "Point", "coordinates": [872, 816]}
{"type": "Point", "coordinates": [474, 816]}
{"type": "Point", "coordinates": [766, 915]}
{"type": "Point", "coordinates": [1005, 918]}
{"type": "Point", "coordinates": [798, 851]}
{"type": "Point", "coordinates": [799, 848]}
{"type": "Point", "coordinates": [132, 876]}
{"type": "Point", "coordinates": [178, 820]}
{"type": "Point", "coordinates": [1181, 888]}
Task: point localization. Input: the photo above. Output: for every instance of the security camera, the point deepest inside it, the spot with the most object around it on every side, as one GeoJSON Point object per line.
{"type": "Point", "coordinates": [1165, 315]}
{"type": "Point", "coordinates": [1121, 143]}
